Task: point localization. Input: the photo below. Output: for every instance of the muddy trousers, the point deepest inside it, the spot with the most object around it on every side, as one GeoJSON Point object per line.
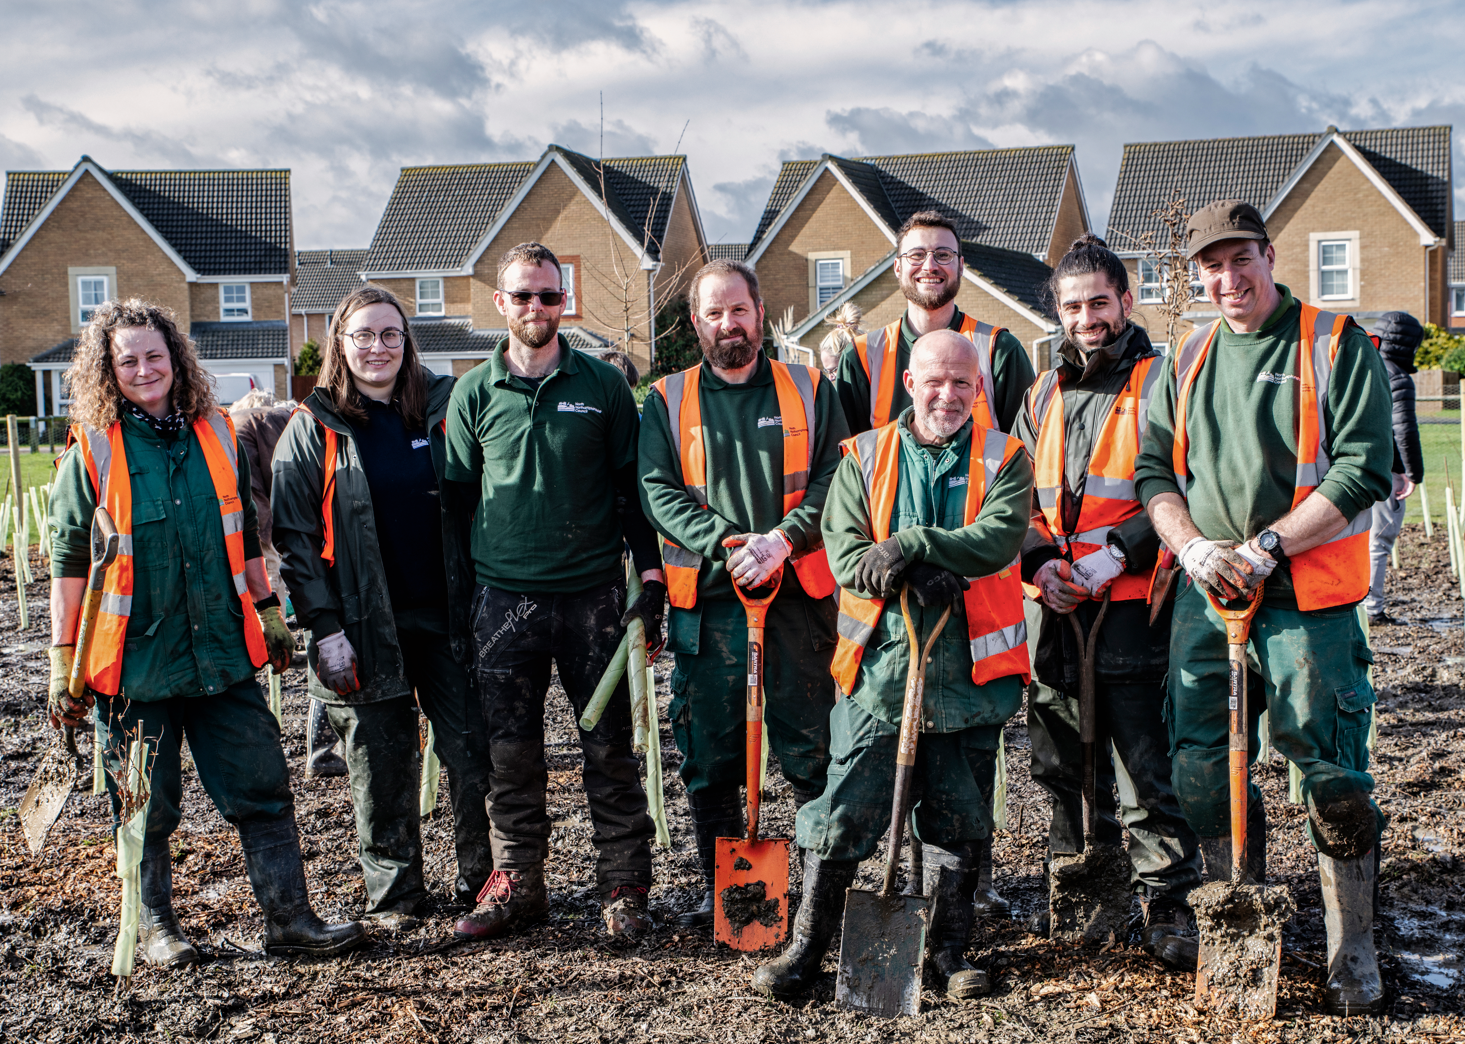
{"type": "Point", "coordinates": [951, 792]}
{"type": "Point", "coordinates": [385, 762]}
{"type": "Point", "coordinates": [1383, 530]}
{"type": "Point", "coordinates": [1133, 755]}
{"type": "Point", "coordinates": [233, 741]}
{"type": "Point", "coordinates": [516, 639]}
{"type": "Point", "coordinates": [1309, 670]}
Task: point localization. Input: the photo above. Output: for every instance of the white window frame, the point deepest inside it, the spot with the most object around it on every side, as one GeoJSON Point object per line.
{"type": "Point", "coordinates": [569, 270]}
{"type": "Point", "coordinates": [431, 305]}
{"type": "Point", "coordinates": [1350, 242]}
{"type": "Point", "coordinates": [817, 256]}
{"type": "Point", "coordinates": [1457, 299]}
{"type": "Point", "coordinates": [828, 280]}
{"type": "Point", "coordinates": [225, 305]}
{"type": "Point", "coordinates": [84, 288]}
{"type": "Point", "coordinates": [1197, 288]}
{"type": "Point", "coordinates": [1334, 268]}
{"type": "Point", "coordinates": [74, 276]}
{"type": "Point", "coordinates": [1150, 280]}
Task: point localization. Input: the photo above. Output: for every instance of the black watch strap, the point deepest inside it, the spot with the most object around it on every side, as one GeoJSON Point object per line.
{"type": "Point", "coordinates": [1271, 546]}
{"type": "Point", "coordinates": [268, 601]}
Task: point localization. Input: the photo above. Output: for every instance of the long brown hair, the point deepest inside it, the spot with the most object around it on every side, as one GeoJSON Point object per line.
{"type": "Point", "coordinates": [409, 394]}
{"type": "Point", "coordinates": [96, 397]}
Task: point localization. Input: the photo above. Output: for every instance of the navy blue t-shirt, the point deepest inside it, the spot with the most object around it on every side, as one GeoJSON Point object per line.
{"type": "Point", "coordinates": [407, 505]}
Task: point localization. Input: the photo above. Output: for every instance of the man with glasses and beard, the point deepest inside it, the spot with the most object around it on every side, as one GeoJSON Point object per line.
{"type": "Point", "coordinates": [736, 458]}
{"type": "Point", "coordinates": [547, 437]}
{"type": "Point", "coordinates": [1083, 423]}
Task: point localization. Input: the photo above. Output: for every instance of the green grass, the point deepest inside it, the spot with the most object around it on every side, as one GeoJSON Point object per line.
{"type": "Point", "coordinates": [1441, 446]}
{"type": "Point", "coordinates": [35, 470]}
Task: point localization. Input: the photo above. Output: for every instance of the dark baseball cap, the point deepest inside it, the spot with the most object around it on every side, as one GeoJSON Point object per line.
{"type": "Point", "coordinates": [1223, 219]}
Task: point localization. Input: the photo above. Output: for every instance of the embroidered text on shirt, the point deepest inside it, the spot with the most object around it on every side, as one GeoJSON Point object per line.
{"type": "Point", "coordinates": [418, 443]}
{"type": "Point", "coordinates": [1275, 378]}
{"type": "Point", "coordinates": [770, 422]}
{"type": "Point", "coordinates": [576, 407]}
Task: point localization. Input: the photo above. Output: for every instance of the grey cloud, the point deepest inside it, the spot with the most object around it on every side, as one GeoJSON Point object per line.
{"type": "Point", "coordinates": [570, 23]}
{"type": "Point", "coordinates": [15, 155]}
{"type": "Point", "coordinates": [621, 139]}
{"type": "Point", "coordinates": [88, 132]}
{"type": "Point", "coordinates": [876, 131]}
{"type": "Point", "coordinates": [717, 42]}
{"type": "Point", "coordinates": [742, 205]}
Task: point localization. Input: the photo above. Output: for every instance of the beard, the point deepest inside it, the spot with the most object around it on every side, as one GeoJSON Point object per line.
{"type": "Point", "coordinates": [1110, 335]}
{"type": "Point", "coordinates": [728, 353]}
{"type": "Point", "coordinates": [942, 425]}
{"type": "Point", "coordinates": [927, 297]}
{"type": "Point", "coordinates": [535, 334]}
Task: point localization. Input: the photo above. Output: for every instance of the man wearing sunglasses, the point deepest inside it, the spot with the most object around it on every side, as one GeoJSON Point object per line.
{"type": "Point", "coordinates": [548, 436]}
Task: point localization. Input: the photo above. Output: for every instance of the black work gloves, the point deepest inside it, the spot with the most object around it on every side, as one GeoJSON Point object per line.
{"type": "Point", "coordinates": [878, 571]}
{"type": "Point", "coordinates": [933, 585]}
{"type": "Point", "coordinates": [650, 606]}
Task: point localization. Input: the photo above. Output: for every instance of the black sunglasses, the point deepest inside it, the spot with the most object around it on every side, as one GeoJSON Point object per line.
{"type": "Point", "coordinates": [548, 298]}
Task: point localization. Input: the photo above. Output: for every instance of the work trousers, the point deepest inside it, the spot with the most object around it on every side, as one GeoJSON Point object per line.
{"type": "Point", "coordinates": [516, 638]}
{"type": "Point", "coordinates": [233, 740]}
{"type": "Point", "coordinates": [1309, 670]}
{"type": "Point", "coordinates": [1388, 519]}
{"type": "Point", "coordinates": [385, 762]}
{"type": "Point", "coordinates": [1132, 754]}
{"type": "Point", "coordinates": [951, 792]}
{"type": "Point", "coordinates": [710, 689]}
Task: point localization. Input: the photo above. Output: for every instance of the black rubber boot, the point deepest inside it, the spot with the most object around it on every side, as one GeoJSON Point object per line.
{"type": "Point", "coordinates": [986, 902]}
{"type": "Point", "coordinates": [822, 912]}
{"type": "Point", "coordinates": [1354, 985]}
{"type": "Point", "coordinates": [324, 749]}
{"type": "Point", "coordinates": [716, 812]}
{"type": "Point", "coordinates": [277, 875]}
{"type": "Point", "coordinates": [163, 943]}
{"type": "Point", "coordinates": [950, 879]}
{"type": "Point", "coordinates": [1169, 933]}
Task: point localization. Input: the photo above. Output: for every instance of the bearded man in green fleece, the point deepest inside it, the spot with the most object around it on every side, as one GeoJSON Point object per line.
{"type": "Point", "coordinates": [1268, 443]}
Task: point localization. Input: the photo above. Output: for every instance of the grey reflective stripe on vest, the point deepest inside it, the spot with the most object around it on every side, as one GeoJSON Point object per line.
{"type": "Point", "coordinates": [1184, 360]}
{"type": "Point", "coordinates": [1097, 535]}
{"type": "Point", "coordinates": [852, 629]}
{"type": "Point", "coordinates": [675, 387]}
{"type": "Point", "coordinates": [116, 605]}
{"type": "Point", "coordinates": [226, 442]}
{"type": "Point", "coordinates": [233, 522]}
{"type": "Point", "coordinates": [875, 356]}
{"type": "Point", "coordinates": [1146, 391]}
{"type": "Point", "coordinates": [675, 555]}
{"type": "Point", "coordinates": [1043, 397]}
{"type": "Point", "coordinates": [865, 447]}
{"type": "Point", "coordinates": [994, 446]}
{"type": "Point", "coordinates": [1111, 488]}
{"type": "Point", "coordinates": [1311, 475]}
{"type": "Point", "coordinates": [982, 338]}
{"type": "Point", "coordinates": [1002, 640]}
{"type": "Point", "coordinates": [101, 450]}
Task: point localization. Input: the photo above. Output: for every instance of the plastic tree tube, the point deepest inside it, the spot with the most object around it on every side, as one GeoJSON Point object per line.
{"type": "Point", "coordinates": [655, 795]}
{"type": "Point", "coordinates": [130, 838]}
{"type": "Point", "coordinates": [614, 671]}
{"type": "Point", "coordinates": [432, 774]}
{"type": "Point", "coordinates": [999, 788]}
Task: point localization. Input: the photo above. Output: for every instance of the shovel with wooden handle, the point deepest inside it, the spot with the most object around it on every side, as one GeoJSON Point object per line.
{"type": "Point", "coordinates": [55, 777]}
{"type": "Point", "coordinates": [884, 939]}
{"type": "Point", "coordinates": [1162, 583]}
{"type": "Point", "coordinates": [750, 876]}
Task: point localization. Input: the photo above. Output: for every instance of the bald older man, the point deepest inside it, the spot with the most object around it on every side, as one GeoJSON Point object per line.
{"type": "Point", "coordinates": [939, 504]}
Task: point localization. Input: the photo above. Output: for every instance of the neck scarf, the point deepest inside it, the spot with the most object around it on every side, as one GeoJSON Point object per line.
{"type": "Point", "coordinates": [168, 428]}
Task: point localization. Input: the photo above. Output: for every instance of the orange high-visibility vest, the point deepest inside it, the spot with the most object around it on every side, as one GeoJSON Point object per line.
{"type": "Point", "coordinates": [1333, 573]}
{"type": "Point", "coordinates": [105, 456]}
{"type": "Point", "coordinates": [328, 487]}
{"type": "Point", "coordinates": [878, 349]}
{"type": "Point", "coordinates": [795, 386]}
{"type": "Point", "coordinates": [1108, 489]}
{"type": "Point", "coordinates": [996, 629]}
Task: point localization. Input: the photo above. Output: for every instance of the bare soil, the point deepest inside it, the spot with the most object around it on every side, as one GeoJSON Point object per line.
{"type": "Point", "coordinates": [565, 981]}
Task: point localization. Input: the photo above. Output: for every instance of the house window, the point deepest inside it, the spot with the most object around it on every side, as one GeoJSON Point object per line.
{"type": "Point", "coordinates": [828, 279]}
{"type": "Point", "coordinates": [91, 292]}
{"type": "Point", "coordinates": [1197, 288]}
{"type": "Point", "coordinates": [1151, 289]}
{"type": "Point", "coordinates": [429, 297]}
{"type": "Point", "coordinates": [1457, 300]}
{"type": "Point", "coordinates": [1334, 270]}
{"type": "Point", "coordinates": [234, 302]}
{"type": "Point", "coordinates": [567, 282]}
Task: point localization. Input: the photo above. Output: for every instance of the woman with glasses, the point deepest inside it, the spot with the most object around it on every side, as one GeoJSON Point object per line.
{"type": "Point", "coordinates": [371, 539]}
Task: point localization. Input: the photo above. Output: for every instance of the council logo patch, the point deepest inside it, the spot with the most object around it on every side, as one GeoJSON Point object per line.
{"type": "Point", "coordinates": [1275, 378]}
{"type": "Point", "coordinates": [419, 443]}
{"type": "Point", "coordinates": [770, 422]}
{"type": "Point", "coordinates": [576, 407]}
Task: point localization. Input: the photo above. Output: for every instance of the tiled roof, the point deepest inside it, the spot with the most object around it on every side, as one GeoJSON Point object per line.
{"type": "Point", "coordinates": [727, 251]}
{"type": "Point", "coordinates": [455, 335]}
{"type": "Point", "coordinates": [323, 277]}
{"type": "Point", "coordinates": [222, 222]}
{"type": "Point", "coordinates": [1457, 255]}
{"type": "Point", "coordinates": [1415, 161]}
{"type": "Point", "coordinates": [1015, 271]}
{"type": "Point", "coordinates": [436, 215]}
{"type": "Point", "coordinates": [262, 339]}
{"type": "Point", "coordinates": [1003, 198]}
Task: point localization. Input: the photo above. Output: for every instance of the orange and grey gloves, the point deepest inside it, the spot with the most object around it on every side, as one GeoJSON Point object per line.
{"type": "Point", "coordinates": [59, 704]}
{"type": "Point", "coordinates": [1095, 570]}
{"type": "Point", "coordinates": [758, 558]}
{"type": "Point", "coordinates": [336, 663]}
{"type": "Point", "coordinates": [878, 572]}
{"type": "Point", "coordinates": [933, 585]}
{"type": "Point", "coordinates": [1220, 568]}
{"type": "Point", "coordinates": [650, 606]}
{"type": "Point", "coordinates": [1056, 583]}
{"type": "Point", "coordinates": [279, 642]}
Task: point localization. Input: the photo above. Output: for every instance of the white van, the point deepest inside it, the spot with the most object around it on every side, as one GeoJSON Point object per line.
{"type": "Point", "coordinates": [231, 386]}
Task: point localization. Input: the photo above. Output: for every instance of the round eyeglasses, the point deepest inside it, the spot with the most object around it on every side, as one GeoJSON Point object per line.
{"type": "Point", "coordinates": [391, 337]}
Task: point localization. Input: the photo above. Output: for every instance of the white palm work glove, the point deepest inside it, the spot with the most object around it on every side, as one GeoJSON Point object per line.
{"type": "Point", "coordinates": [336, 663]}
{"type": "Point", "coordinates": [1095, 570]}
{"type": "Point", "coordinates": [757, 558]}
{"type": "Point", "coordinates": [1054, 582]}
{"type": "Point", "coordinates": [1216, 566]}
{"type": "Point", "coordinates": [1261, 562]}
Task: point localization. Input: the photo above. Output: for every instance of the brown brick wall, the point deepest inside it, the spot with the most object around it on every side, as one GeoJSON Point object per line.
{"type": "Point", "coordinates": [462, 366]}
{"type": "Point", "coordinates": [681, 252]}
{"type": "Point", "coordinates": [266, 301]}
{"type": "Point", "coordinates": [1070, 223]}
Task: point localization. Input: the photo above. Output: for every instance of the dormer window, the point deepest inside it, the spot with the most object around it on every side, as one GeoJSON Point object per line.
{"type": "Point", "coordinates": [234, 302]}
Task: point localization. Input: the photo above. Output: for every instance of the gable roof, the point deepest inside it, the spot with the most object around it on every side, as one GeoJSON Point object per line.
{"type": "Point", "coordinates": [260, 339]}
{"type": "Point", "coordinates": [455, 335]}
{"type": "Point", "coordinates": [215, 222]}
{"type": "Point", "coordinates": [1457, 255]}
{"type": "Point", "coordinates": [727, 251]}
{"type": "Point", "coordinates": [439, 219]}
{"type": "Point", "coordinates": [1411, 165]}
{"type": "Point", "coordinates": [1002, 198]}
{"type": "Point", "coordinates": [323, 277]}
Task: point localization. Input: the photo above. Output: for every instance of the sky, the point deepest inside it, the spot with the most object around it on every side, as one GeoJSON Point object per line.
{"type": "Point", "coordinates": [347, 93]}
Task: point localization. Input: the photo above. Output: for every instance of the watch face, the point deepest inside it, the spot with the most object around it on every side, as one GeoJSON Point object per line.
{"type": "Point", "coordinates": [1268, 541]}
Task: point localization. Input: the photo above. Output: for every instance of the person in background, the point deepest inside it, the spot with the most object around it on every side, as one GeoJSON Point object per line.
{"type": "Point", "coordinates": [846, 322]}
{"type": "Point", "coordinates": [1398, 336]}
{"type": "Point", "coordinates": [621, 361]}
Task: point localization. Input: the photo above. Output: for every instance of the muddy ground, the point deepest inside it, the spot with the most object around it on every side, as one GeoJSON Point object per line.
{"type": "Point", "coordinates": [565, 982]}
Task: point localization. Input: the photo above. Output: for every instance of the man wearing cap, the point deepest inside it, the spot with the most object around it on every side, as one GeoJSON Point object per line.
{"type": "Point", "coordinates": [1267, 445]}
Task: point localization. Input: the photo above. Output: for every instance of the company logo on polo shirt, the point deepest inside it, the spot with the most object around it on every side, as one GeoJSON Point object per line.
{"type": "Point", "coordinates": [576, 407]}
{"type": "Point", "coordinates": [770, 422]}
{"type": "Point", "coordinates": [956, 480]}
{"type": "Point", "coordinates": [1275, 378]}
{"type": "Point", "coordinates": [419, 443]}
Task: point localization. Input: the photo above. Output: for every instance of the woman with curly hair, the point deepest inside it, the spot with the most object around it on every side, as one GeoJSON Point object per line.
{"type": "Point", "coordinates": [187, 616]}
{"type": "Point", "coordinates": [373, 543]}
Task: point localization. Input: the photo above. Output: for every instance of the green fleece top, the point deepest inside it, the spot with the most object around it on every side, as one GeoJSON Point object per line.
{"type": "Point", "coordinates": [930, 502]}
{"type": "Point", "coordinates": [185, 634]}
{"type": "Point", "coordinates": [1012, 372]}
{"type": "Point", "coordinates": [743, 433]}
{"type": "Point", "coordinates": [1242, 426]}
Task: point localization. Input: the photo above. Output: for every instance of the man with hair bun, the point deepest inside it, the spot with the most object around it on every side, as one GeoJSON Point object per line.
{"type": "Point", "coordinates": [1082, 422]}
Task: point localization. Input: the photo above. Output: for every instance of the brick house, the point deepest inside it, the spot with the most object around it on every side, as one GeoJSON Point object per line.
{"type": "Point", "coordinates": [625, 252]}
{"type": "Point", "coordinates": [322, 278]}
{"type": "Point", "coordinates": [1457, 280]}
{"type": "Point", "coordinates": [827, 234]}
{"type": "Point", "coordinates": [1362, 221]}
{"type": "Point", "coordinates": [212, 245]}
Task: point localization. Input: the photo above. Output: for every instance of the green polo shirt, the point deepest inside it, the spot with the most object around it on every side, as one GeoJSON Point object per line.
{"type": "Point", "coordinates": [185, 634]}
{"type": "Point", "coordinates": [544, 455]}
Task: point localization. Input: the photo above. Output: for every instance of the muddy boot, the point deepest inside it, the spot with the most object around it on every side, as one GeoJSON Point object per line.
{"type": "Point", "coordinates": [985, 900]}
{"type": "Point", "coordinates": [1169, 933]}
{"type": "Point", "coordinates": [716, 812]}
{"type": "Point", "coordinates": [625, 913]}
{"type": "Point", "coordinates": [163, 943]}
{"type": "Point", "coordinates": [325, 755]}
{"type": "Point", "coordinates": [512, 899]}
{"type": "Point", "coordinates": [1354, 985]}
{"type": "Point", "coordinates": [792, 972]}
{"type": "Point", "coordinates": [950, 879]}
{"type": "Point", "coordinates": [277, 875]}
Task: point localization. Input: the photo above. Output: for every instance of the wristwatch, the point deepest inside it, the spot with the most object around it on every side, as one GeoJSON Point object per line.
{"type": "Point", "coordinates": [1116, 554]}
{"type": "Point", "coordinates": [1271, 543]}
